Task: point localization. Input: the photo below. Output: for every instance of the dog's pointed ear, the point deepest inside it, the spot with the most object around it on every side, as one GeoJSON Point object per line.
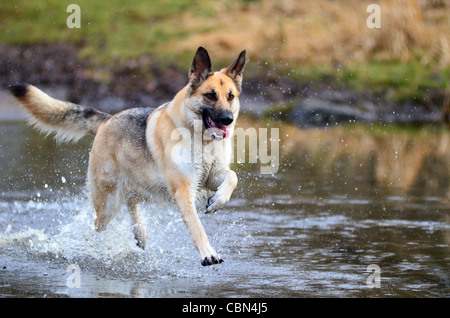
{"type": "Point", "coordinates": [200, 69]}
{"type": "Point", "coordinates": [236, 69]}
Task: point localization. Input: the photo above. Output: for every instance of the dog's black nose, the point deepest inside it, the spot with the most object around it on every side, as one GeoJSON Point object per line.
{"type": "Point", "coordinates": [226, 118]}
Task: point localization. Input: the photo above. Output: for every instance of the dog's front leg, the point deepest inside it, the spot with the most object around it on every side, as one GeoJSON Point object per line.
{"type": "Point", "coordinates": [185, 202]}
{"type": "Point", "coordinates": [224, 183]}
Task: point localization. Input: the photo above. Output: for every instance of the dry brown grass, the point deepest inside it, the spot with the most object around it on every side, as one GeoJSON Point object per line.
{"type": "Point", "coordinates": [322, 31]}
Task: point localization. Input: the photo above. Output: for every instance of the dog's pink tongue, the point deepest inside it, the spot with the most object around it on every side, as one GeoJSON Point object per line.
{"type": "Point", "coordinates": [220, 130]}
{"type": "Point", "coordinates": [226, 132]}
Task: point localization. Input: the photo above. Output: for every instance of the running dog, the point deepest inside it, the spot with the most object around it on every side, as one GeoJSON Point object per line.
{"type": "Point", "coordinates": [132, 155]}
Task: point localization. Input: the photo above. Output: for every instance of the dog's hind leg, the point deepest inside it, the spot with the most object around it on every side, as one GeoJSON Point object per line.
{"type": "Point", "coordinates": [139, 226]}
{"type": "Point", "coordinates": [107, 203]}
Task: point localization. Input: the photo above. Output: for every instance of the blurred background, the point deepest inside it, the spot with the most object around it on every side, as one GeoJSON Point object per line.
{"type": "Point", "coordinates": [311, 64]}
{"type": "Point", "coordinates": [138, 53]}
{"type": "Point", "coordinates": [363, 115]}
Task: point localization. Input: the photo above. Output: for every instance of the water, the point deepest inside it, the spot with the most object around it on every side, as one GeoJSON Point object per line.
{"type": "Point", "coordinates": [342, 199]}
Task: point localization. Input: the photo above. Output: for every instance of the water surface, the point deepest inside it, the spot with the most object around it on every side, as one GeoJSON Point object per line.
{"type": "Point", "coordinates": [342, 199]}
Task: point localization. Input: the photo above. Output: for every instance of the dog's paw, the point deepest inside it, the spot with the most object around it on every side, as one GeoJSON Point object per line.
{"type": "Point", "coordinates": [209, 256]}
{"type": "Point", "coordinates": [140, 243]}
{"type": "Point", "coordinates": [216, 202]}
{"type": "Point", "coordinates": [210, 260]}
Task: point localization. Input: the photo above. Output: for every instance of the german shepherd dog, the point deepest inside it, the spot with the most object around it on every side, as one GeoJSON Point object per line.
{"type": "Point", "coordinates": [132, 153]}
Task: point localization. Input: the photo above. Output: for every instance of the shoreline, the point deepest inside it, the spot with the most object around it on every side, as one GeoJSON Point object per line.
{"type": "Point", "coordinates": [57, 69]}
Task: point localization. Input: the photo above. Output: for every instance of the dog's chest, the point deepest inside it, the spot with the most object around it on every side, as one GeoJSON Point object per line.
{"type": "Point", "coordinates": [204, 169]}
{"type": "Point", "coordinates": [198, 167]}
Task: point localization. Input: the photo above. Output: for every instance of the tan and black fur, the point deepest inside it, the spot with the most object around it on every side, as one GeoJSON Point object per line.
{"type": "Point", "coordinates": [130, 159]}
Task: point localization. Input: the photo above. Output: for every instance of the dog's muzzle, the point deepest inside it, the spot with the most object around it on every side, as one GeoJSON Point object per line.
{"type": "Point", "coordinates": [217, 124]}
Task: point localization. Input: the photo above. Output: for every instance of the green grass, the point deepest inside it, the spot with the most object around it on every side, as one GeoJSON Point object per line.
{"type": "Point", "coordinates": [400, 81]}
{"type": "Point", "coordinates": [386, 75]}
{"type": "Point", "coordinates": [279, 111]}
{"type": "Point", "coordinates": [112, 30]}
{"type": "Point", "coordinates": [407, 81]}
{"type": "Point", "coordinates": [394, 129]}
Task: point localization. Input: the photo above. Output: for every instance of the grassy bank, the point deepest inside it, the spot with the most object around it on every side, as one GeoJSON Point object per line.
{"type": "Point", "coordinates": [399, 82]}
{"type": "Point", "coordinates": [305, 40]}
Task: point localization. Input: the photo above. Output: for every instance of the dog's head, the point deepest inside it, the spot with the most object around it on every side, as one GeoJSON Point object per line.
{"type": "Point", "coordinates": [214, 95]}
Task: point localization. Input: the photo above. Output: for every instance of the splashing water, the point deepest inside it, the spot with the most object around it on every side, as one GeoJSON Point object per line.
{"type": "Point", "coordinates": [312, 229]}
{"type": "Point", "coordinates": [64, 233]}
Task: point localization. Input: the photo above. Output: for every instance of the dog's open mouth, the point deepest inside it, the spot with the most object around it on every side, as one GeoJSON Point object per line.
{"type": "Point", "coordinates": [217, 132]}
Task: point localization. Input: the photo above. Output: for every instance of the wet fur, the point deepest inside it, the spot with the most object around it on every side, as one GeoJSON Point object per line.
{"type": "Point", "coordinates": [130, 159]}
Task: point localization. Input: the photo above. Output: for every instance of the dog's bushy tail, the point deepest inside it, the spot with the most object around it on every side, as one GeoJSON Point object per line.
{"type": "Point", "coordinates": [68, 121]}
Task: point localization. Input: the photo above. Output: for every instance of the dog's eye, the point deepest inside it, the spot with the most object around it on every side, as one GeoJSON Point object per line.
{"type": "Point", "coordinates": [211, 96]}
{"type": "Point", "coordinates": [230, 97]}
